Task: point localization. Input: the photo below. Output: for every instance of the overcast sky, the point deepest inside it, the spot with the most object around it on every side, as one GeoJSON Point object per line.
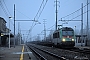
{"type": "Point", "coordinates": [27, 10]}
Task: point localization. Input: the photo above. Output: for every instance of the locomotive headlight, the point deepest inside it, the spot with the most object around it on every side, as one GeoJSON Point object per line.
{"type": "Point", "coordinates": [63, 40]}
{"type": "Point", "coordinates": [72, 39]}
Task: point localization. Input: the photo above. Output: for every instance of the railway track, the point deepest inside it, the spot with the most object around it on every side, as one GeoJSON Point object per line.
{"type": "Point", "coordinates": [84, 51]}
{"type": "Point", "coordinates": [45, 55]}
{"type": "Point", "coordinates": [62, 53]}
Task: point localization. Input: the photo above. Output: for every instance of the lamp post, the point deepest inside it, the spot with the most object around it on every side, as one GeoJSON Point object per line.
{"type": "Point", "coordinates": [75, 34]}
{"type": "Point", "coordinates": [75, 30]}
{"type": "Point", "coordinates": [23, 39]}
{"type": "Point", "coordinates": [9, 32]}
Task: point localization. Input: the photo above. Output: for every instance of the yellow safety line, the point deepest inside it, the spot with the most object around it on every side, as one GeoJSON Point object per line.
{"type": "Point", "coordinates": [21, 57]}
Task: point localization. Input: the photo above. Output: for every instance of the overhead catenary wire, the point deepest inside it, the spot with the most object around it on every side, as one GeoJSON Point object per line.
{"type": "Point", "coordinates": [79, 15]}
{"type": "Point", "coordinates": [76, 16]}
{"type": "Point", "coordinates": [48, 28]}
{"type": "Point", "coordinates": [4, 10]}
{"type": "Point", "coordinates": [76, 12]}
{"type": "Point", "coordinates": [37, 15]}
{"type": "Point", "coordinates": [39, 8]}
{"type": "Point", "coordinates": [42, 9]}
{"type": "Point", "coordinates": [73, 13]}
{"type": "Point", "coordinates": [51, 26]}
{"type": "Point", "coordinates": [6, 7]}
{"type": "Point", "coordinates": [22, 13]}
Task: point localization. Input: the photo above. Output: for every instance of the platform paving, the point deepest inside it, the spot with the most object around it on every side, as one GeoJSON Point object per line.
{"type": "Point", "coordinates": [17, 53]}
{"type": "Point", "coordinates": [83, 47]}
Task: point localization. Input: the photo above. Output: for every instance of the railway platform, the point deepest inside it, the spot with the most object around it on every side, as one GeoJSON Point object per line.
{"type": "Point", "coordinates": [84, 47]}
{"type": "Point", "coordinates": [20, 52]}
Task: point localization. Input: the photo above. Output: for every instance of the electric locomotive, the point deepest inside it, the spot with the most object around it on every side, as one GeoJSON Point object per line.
{"type": "Point", "coordinates": [64, 37]}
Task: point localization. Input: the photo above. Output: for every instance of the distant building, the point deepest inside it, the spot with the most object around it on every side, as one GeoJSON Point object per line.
{"type": "Point", "coordinates": [2, 27]}
{"type": "Point", "coordinates": [4, 32]}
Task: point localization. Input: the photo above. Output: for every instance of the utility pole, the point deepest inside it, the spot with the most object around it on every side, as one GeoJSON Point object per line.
{"type": "Point", "coordinates": [18, 33]}
{"type": "Point", "coordinates": [23, 38]}
{"type": "Point", "coordinates": [81, 24]}
{"type": "Point", "coordinates": [56, 13]}
{"type": "Point", "coordinates": [44, 29]}
{"type": "Point", "coordinates": [9, 33]}
{"type": "Point", "coordinates": [20, 37]}
{"type": "Point", "coordinates": [14, 25]}
{"type": "Point", "coordinates": [87, 20]}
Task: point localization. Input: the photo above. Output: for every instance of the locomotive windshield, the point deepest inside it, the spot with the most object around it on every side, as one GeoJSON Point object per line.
{"type": "Point", "coordinates": [69, 33]}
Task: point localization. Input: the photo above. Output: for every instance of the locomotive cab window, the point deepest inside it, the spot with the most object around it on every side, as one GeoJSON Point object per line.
{"type": "Point", "coordinates": [70, 33]}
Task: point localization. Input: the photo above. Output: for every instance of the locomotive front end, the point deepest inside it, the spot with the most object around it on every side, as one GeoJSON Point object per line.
{"type": "Point", "coordinates": [68, 37]}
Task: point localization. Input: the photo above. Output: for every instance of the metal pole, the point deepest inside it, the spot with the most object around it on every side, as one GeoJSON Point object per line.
{"type": "Point", "coordinates": [56, 14]}
{"type": "Point", "coordinates": [18, 32]}
{"type": "Point", "coordinates": [44, 30]}
{"type": "Point", "coordinates": [75, 30]}
{"type": "Point", "coordinates": [20, 37]}
{"type": "Point", "coordinates": [23, 39]}
{"type": "Point", "coordinates": [14, 25]}
{"type": "Point", "coordinates": [75, 34]}
{"type": "Point", "coordinates": [9, 33]}
{"type": "Point", "coordinates": [87, 19]}
{"type": "Point", "coordinates": [81, 24]}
